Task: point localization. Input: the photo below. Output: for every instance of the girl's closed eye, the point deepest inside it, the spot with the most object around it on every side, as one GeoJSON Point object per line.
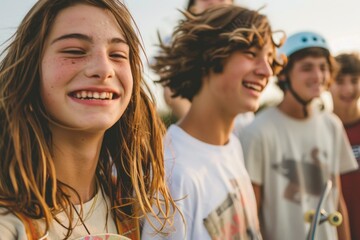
{"type": "Point", "coordinates": [75, 52]}
{"type": "Point", "coordinates": [119, 55]}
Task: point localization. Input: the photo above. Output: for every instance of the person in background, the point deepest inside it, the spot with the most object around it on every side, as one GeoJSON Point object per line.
{"type": "Point", "coordinates": [345, 93]}
{"type": "Point", "coordinates": [221, 61]}
{"type": "Point", "coordinates": [292, 149]}
{"type": "Point", "coordinates": [80, 148]}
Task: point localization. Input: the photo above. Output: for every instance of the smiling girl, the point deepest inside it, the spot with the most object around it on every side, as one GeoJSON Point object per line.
{"type": "Point", "coordinates": [80, 147]}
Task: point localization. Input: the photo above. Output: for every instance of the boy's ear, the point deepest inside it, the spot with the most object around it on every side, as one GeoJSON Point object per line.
{"type": "Point", "coordinates": [281, 77]}
{"type": "Point", "coordinates": [282, 81]}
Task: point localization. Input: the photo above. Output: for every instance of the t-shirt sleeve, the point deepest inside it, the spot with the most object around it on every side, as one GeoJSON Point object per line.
{"type": "Point", "coordinates": [181, 186]}
{"type": "Point", "coordinates": [253, 148]}
{"type": "Point", "coordinates": [11, 227]}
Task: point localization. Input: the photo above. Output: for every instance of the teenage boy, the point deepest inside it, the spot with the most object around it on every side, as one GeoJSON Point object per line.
{"type": "Point", "coordinates": [292, 149]}
{"type": "Point", "coordinates": [345, 92]}
{"type": "Point", "coordinates": [220, 60]}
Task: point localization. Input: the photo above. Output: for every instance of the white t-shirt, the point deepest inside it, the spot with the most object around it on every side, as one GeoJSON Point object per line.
{"type": "Point", "coordinates": [94, 216]}
{"type": "Point", "coordinates": [212, 189]}
{"type": "Point", "coordinates": [291, 159]}
{"type": "Point", "coordinates": [241, 120]}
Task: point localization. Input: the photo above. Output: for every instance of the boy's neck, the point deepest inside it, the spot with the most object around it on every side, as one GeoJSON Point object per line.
{"type": "Point", "coordinates": [348, 114]}
{"type": "Point", "coordinates": [207, 127]}
{"type": "Point", "coordinates": [293, 108]}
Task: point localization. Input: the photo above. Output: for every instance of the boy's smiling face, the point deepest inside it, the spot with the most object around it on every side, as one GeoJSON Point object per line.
{"type": "Point", "coordinates": [345, 91]}
{"type": "Point", "coordinates": [238, 87]}
{"type": "Point", "coordinates": [309, 76]}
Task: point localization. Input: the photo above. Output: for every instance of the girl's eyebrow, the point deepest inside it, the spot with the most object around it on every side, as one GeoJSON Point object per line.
{"type": "Point", "coordinates": [86, 38]}
{"type": "Point", "coordinates": [73, 35]}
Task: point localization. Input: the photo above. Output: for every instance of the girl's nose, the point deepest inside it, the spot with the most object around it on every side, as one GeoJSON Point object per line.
{"type": "Point", "coordinates": [100, 67]}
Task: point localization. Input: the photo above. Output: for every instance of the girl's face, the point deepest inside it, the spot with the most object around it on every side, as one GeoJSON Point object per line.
{"type": "Point", "coordinates": [201, 5]}
{"type": "Point", "coordinates": [86, 79]}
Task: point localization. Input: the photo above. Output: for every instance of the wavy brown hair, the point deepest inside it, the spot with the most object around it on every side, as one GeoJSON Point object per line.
{"type": "Point", "coordinates": [203, 42]}
{"type": "Point", "coordinates": [130, 168]}
{"type": "Point", "coordinates": [349, 63]}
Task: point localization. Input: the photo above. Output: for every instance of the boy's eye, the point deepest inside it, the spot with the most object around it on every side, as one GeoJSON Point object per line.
{"type": "Point", "coordinates": [355, 80]}
{"type": "Point", "coordinates": [250, 53]}
{"type": "Point", "coordinates": [306, 68]}
{"type": "Point", "coordinates": [339, 81]}
{"type": "Point", "coordinates": [324, 68]}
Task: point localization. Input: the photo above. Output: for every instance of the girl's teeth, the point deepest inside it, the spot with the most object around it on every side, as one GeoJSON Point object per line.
{"type": "Point", "coordinates": [103, 95]}
{"type": "Point", "coordinates": [83, 94]}
{"type": "Point", "coordinates": [94, 95]}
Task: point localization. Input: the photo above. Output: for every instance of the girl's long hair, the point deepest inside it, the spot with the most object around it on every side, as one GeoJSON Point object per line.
{"type": "Point", "coordinates": [130, 168]}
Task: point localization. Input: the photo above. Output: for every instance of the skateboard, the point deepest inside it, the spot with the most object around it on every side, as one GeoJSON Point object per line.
{"type": "Point", "coordinates": [319, 216]}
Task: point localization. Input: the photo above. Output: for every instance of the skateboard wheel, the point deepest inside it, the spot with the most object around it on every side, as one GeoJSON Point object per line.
{"type": "Point", "coordinates": [309, 215]}
{"type": "Point", "coordinates": [335, 219]}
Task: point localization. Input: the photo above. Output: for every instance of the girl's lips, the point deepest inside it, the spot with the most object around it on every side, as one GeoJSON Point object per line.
{"type": "Point", "coordinates": [93, 101]}
{"type": "Point", "coordinates": [103, 95]}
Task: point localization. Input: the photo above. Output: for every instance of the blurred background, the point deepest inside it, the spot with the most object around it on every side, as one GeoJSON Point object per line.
{"type": "Point", "coordinates": [337, 20]}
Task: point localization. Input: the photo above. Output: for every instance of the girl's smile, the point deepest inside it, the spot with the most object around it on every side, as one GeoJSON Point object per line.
{"type": "Point", "coordinates": [86, 70]}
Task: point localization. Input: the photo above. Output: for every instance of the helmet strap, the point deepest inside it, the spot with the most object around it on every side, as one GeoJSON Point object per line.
{"type": "Point", "coordinates": [298, 98]}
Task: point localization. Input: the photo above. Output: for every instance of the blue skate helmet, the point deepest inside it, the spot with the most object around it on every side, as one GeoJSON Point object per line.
{"type": "Point", "coordinates": [302, 40]}
{"type": "Point", "coordinates": [295, 43]}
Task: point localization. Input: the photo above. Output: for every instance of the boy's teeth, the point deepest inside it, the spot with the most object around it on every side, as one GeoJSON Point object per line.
{"type": "Point", "coordinates": [93, 95]}
{"type": "Point", "coordinates": [253, 86]}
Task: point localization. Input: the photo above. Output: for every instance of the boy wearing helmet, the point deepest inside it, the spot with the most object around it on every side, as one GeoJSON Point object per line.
{"type": "Point", "coordinates": [292, 149]}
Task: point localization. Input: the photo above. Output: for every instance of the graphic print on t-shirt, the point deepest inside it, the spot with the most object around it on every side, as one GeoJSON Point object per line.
{"type": "Point", "coordinates": [230, 220]}
{"type": "Point", "coordinates": [306, 176]}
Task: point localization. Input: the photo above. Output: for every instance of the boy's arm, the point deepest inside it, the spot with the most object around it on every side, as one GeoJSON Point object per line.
{"type": "Point", "coordinates": [344, 229]}
{"type": "Point", "coordinates": [258, 196]}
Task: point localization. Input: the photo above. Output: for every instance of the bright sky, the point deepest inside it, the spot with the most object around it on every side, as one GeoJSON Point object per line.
{"type": "Point", "coordinates": [337, 20]}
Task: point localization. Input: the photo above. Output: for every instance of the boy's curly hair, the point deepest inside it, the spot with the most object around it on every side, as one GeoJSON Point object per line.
{"type": "Point", "coordinates": [203, 42]}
